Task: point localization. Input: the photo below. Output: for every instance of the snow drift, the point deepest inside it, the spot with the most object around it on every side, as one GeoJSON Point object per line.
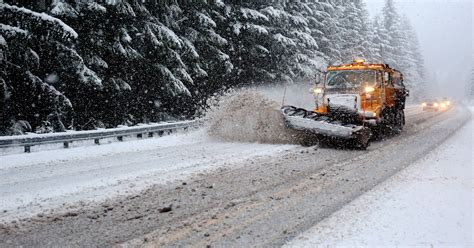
{"type": "Point", "coordinates": [247, 116]}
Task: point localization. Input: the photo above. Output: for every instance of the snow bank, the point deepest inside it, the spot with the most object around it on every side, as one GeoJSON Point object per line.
{"type": "Point", "coordinates": [247, 116]}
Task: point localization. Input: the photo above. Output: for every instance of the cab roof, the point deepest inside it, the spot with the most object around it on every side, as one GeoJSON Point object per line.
{"type": "Point", "coordinates": [361, 65]}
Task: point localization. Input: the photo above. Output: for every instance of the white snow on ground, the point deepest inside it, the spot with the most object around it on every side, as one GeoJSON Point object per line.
{"type": "Point", "coordinates": [428, 204]}
{"type": "Point", "coordinates": [48, 156]}
{"type": "Point", "coordinates": [33, 183]}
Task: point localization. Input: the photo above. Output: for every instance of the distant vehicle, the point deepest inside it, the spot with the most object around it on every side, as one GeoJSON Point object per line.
{"type": "Point", "coordinates": [447, 101]}
{"type": "Point", "coordinates": [435, 105]}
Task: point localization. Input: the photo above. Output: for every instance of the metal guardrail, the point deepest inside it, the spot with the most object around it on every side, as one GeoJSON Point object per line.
{"type": "Point", "coordinates": [67, 137]}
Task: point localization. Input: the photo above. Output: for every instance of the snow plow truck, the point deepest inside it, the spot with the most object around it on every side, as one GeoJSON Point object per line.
{"type": "Point", "coordinates": [354, 102]}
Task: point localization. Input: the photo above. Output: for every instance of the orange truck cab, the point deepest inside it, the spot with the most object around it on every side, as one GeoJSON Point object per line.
{"type": "Point", "coordinates": [375, 92]}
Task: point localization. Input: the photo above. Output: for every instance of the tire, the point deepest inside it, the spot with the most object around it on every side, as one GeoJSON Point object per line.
{"type": "Point", "coordinates": [362, 140]}
{"type": "Point", "coordinates": [398, 121]}
{"type": "Point", "coordinates": [379, 132]}
{"type": "Point", "coordinates": [358, 144]}
{"type": "Point", "coordinates": [307, 140]}
{"type": "Point", "coordinates": [363, 145]}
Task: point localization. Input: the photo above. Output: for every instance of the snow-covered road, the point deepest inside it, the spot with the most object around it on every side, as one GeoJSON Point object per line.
{"type": "Point", "coordinates": [32, 183]}
{"type": "Point", "coordinates": [190, 189]}
{"type": "Point", "coordinates": [428, 204]}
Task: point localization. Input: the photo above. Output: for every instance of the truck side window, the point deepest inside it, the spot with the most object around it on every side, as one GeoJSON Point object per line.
{"type": "Point", "coordinates": [398, 82]}
{"type": "Point", "coordinates": [386, 78]}
{"type": "Point", "coordinates": [379, 79]}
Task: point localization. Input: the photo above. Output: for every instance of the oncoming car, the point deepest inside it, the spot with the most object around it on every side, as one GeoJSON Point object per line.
{"type": "Point", "coordinates": [435, 105]}
{"type": "Point", "coordinates": [446, 101]}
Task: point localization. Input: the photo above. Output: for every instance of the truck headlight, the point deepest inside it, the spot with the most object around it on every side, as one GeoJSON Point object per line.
{"type": "Point", "coordinates": [369, 89]}
{"type": "Point", "coordinates": [318, 90]}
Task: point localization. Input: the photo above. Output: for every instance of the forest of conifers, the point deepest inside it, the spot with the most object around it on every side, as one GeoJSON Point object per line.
{"type": "Point", "coordinates": [76, 65]}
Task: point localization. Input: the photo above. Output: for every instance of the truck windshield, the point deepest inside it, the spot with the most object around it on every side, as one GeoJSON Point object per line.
{"type": "Point", "coordinates": [351, 79]}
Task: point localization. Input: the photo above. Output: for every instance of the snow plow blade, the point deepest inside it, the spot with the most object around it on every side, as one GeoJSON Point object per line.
{"type": "Point", "coordinates": [326, 126]}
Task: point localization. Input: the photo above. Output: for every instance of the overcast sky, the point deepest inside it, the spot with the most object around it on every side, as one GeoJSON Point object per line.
{"type": "Point", "coordinates": [445, 30]}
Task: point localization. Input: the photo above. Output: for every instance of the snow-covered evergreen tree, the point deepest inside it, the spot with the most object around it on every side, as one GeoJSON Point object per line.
{"type": "Point", "coordinates": [250, 43]}
{"type": "Point", "coordinates": [470, 88]}
{"type": "Point", "coordinates": [357, 32]}
{"type": "Point", "coordinates": [414, 68]}
{"type": "Point", "coordinates": [394, 53]}
{"type": "Point", "coordinates": [205, 47]}
{"type": "Point", "coordinates": [292, 48]}
{"type": "Point", "coordinates": [325, 29]}
{"type": "Point", "coordinates": [39, 58]}
{"type": "Point", "coordinates": [339, 28]}
{"type": "Point", "coordinates": [367, 30]}
{"type": "Point", "coordinates": [130, 61]}
{"type": "Point", "coordinates": [309, 56]}
{"type": "Point", "coordinates": [380, 40]}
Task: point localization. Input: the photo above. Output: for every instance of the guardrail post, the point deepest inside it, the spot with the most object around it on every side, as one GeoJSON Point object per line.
{"type": "Point", "coordinates": [170, 131]}
{"type": "Point", "coordinates": [150, 134]}
{"type": "Point", "coordinates": [66, 144]}
{"type": "Point", "coordinates": [27, 149]}
{"type": "Point", "coordinates": [120, 138]}
{"type": "Point", "coordinates": [97, 141]}
{"type": "Point", "coordinates": [139, 136]}
{"type": "Point", "coordinates": [160, 133]}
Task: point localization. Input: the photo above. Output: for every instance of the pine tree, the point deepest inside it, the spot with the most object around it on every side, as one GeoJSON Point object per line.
{"type": "Point", "coordinates": [414, 68]}
{"type": "Point", "coordinates": [206, 54]}
{"type": "Point", "coordinates": [380, 40]}
{"type": "Point", "coordinates": [326, 30]}
{"type": "Point", "coordinates": [309, 57]}
{"type": "Point", "coordinates": [357, 35]}
{"type": "Point", "coordinates": [248, 33]}
{"type": "Point", "coordinates": [394, 53]}
{"type": "Point", "coordinates": [369, 49]}
{"type": "Point", "coordinates": [106, 50]}
{"type": "Point", "coordinates": [41, 58]}
{"type": "Point", "coordinates": [292, 48]}
{"type": "Point", "coordinates": [352, 37]}
{"type": "Point", "coordinates": [131, 61]}
{"type": "Point", "coordinates": [5, 116]}
{"type": "Point", "coordinates": [340, 29]}
{"type": "Point", "coordinates": [471, 85]}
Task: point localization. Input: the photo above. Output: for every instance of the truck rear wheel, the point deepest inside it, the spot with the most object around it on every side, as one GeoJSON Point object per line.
{"type": "Point", "coordinates": [398, 121]}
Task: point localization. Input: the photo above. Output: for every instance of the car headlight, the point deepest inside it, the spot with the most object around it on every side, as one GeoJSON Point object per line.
{"type": "Point", "coordinates": [424, 104]}
{"type": "Point", "coordinates": [448, 103]}
{"type": "Point", "coordinates": [436, 104]}
{"type": "Point", "coordinates": [443, 105]}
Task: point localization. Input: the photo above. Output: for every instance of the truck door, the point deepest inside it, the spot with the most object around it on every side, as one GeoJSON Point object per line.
{"type": "Point", "coordinates": [389, 89]}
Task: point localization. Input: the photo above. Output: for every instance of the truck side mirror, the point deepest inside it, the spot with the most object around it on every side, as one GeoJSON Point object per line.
{"type": "Point", "coordinates": [319, 78]}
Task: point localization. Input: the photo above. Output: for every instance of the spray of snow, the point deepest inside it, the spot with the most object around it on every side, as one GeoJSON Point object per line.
{"type": "Point", "coordinates": [247, 116]}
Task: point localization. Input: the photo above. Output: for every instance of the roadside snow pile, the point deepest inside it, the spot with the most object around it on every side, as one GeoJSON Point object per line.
{"type": "Point", "coordinates": [247, 116]}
